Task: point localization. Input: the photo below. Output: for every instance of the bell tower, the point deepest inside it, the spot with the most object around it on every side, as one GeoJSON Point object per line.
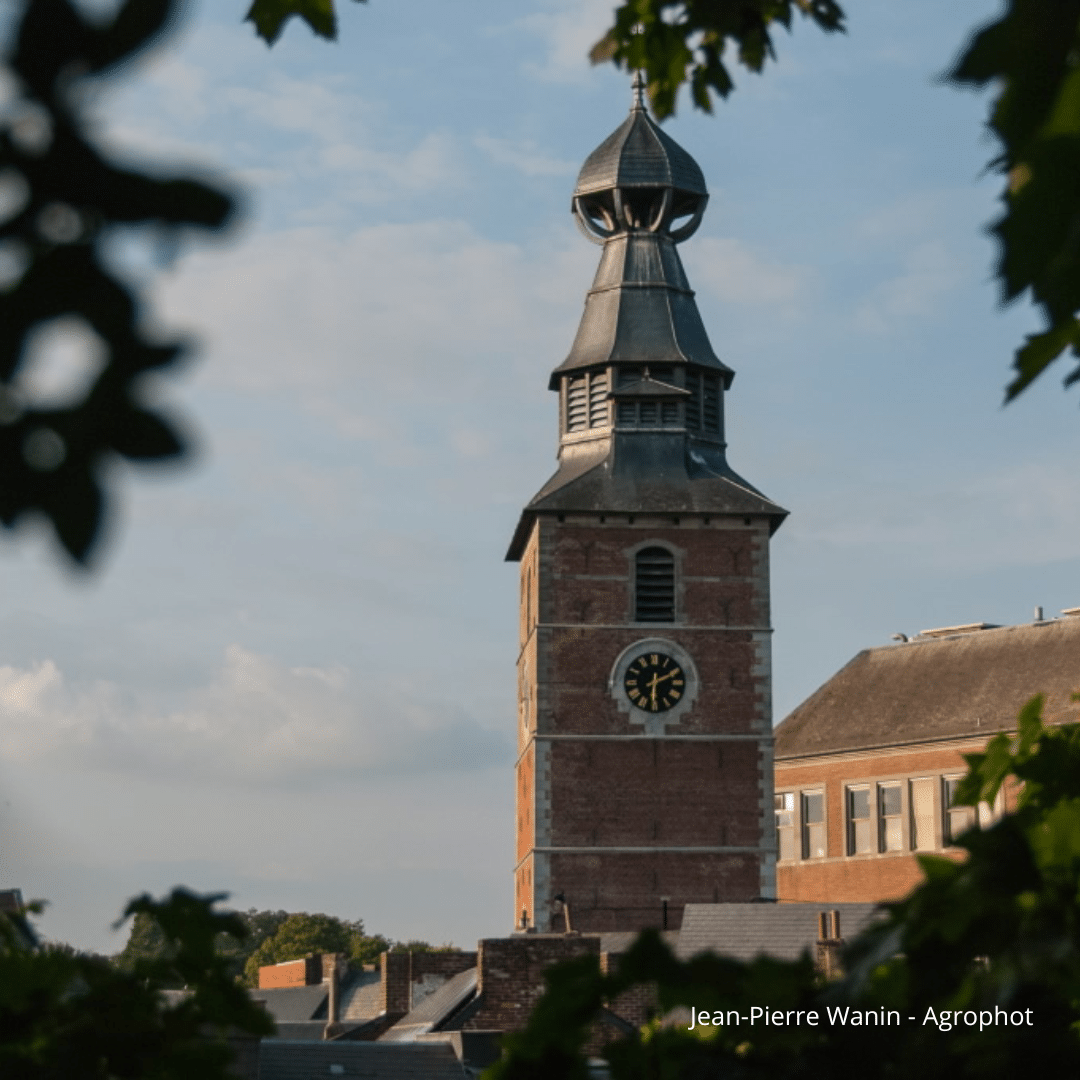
{"type": "Point", "coordinates": [644, 772]}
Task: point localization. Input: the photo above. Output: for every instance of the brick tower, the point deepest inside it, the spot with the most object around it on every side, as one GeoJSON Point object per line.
{"type": "Point", "coordinates": [644, 774]}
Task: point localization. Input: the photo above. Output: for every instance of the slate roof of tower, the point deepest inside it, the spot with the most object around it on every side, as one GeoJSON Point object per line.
{"type": "Point", "coordinates": [744, 931]}
{"type": "Point", "coordinates": [641, 310]}
{"type": "Point", "coordinates": [936, 688]}
{"type": "Point", "coordinates": [638, 154]}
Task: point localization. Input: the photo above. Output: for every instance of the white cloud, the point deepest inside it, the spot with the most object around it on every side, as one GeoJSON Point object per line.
{"type": "Point", "coordinates": [930, 272]}
{"type": "Point", "coordinates": [308, 310]}
{"type": "Point", "coordinates": [569, 29]}
{"type": "Point", "coordinates": [258, 721]}
{"type": "Point", "coordinates": [737, 274]}
{"type": "Point", "coordinates": [1023, 516]}
{"type": "Point", "coordinates": [524, 156]}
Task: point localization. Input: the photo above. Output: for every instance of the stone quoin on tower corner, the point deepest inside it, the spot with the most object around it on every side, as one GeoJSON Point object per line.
{"type": "Point", "coordinates": [645, 771]}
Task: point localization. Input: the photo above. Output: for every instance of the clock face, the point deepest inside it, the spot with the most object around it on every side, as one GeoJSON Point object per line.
{"type": "Point", "coordinates": [654, 682]}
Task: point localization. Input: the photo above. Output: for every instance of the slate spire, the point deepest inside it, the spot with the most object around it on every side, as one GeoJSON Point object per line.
{"type": "Point", "coordinates": [641, 393]}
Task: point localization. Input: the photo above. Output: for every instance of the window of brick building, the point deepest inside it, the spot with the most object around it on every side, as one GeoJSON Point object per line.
{"type": "Point", "coordinates": [923, 824]}
{"type": "Point", "coordinates": [890, 822]}
{"type": "Point", "coordinates": [654, 585]}
{"type": "Point", "coordinates": [785, 825]}
{"type": "Point", "coordinates": [958, 819]}
{"type": "Point", "coordinates": [813, 824]}
{"type": "Point", "coordinates": [859, 831]}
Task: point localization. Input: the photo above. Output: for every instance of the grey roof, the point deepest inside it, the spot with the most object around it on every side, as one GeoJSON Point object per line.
{"type": "Point", "coordinates": [306, 1030]}
{"type": "Point", "coordinates": [618, 941]}
{"type": "Point", "coordinates": [641, 310]}
{"type": "Point", "coordinates": [281, 1059]}
{"type": "Point", "coordinates": [292, 1004]}
{"type": "Point", "coordinates": [744, 931]}
{"type": "Point", "coordinates": [645, 474]}
{"type": "Point", "coordinates": [639, 154]}
{"type": "Point", "coordinates": [435, 1010]}
{"type": "Point", "coordinates": [361, 997]}
{"type": "Point", "coordinates": [937, 688]}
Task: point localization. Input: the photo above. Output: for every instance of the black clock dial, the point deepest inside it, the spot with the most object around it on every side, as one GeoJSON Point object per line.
{"type": "Point", "coordinates": [654, 682]}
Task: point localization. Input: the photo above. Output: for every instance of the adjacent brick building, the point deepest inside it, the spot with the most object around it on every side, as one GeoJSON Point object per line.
{"type": "Point", "coordinates": [866, 767]}
{"type": "Point", "coordinates": [644, 777]}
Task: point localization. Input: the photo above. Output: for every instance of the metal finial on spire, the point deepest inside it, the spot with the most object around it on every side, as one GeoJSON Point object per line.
{"type": "Point", "coordinates": [639, 91]}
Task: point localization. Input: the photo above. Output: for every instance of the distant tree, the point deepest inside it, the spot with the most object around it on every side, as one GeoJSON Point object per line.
{"type": "Point", "coordinates": [148, 942]}
{"type": "Point", "coordinates": [425, 946]}
{"type": "Point", "coordinates": [301, 935]}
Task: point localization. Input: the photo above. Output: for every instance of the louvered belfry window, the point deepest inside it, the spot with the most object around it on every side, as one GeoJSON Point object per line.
{"type": "Point", "coordinates": [654, 585]}
{"type": "Point", "coordinates": [587, 401]}
{"type": "Point", "coordinates": [598, 405]}
{"type": "Point", "coordinates": [577, 404]}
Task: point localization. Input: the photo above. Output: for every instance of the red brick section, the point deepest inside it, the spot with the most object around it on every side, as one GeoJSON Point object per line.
{"type": "Point", "coordinates": [840, 877]}
{"type": "Point", "coordinates": [511, 975]}
{"type": "Point", "coordinates": [590, 792]}
{"type": "Point", "coordinates": [305, 972]}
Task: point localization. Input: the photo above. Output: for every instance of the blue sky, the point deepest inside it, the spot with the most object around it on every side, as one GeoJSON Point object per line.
{"type": "Point", "coordinates": [292, 676]}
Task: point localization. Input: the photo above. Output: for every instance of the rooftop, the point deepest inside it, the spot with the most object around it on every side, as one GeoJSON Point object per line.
{"type": "Point", "coordinates": [950, 683]}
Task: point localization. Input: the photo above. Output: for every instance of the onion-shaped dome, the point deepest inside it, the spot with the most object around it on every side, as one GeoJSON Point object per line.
{"type": "Point", "coordinates": [639, 178]}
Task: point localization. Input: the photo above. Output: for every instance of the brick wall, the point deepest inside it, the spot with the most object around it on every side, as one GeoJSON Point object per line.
{"type": "Point", "coordinates": [408, 977]}
{"type": "Point", "coordinates": [511, 975]}
{"type": "Point", "coordinates": [305, 972]}
{"type": "Point", "coordinates": [588, 778]}
{"type": "Point", "coordinates": [840, 877]}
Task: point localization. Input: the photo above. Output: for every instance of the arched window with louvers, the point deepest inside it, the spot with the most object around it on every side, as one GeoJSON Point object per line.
{"type": "Point", "coordinates": [654, 585]}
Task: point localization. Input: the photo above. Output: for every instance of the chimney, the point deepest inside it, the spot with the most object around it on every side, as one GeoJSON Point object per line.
{"type": "Point", "coordinates": [829, 944]}
{"type": "Point", "coordinates": [332, 977]}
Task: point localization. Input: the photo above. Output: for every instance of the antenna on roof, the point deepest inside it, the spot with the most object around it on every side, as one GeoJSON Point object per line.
{"type": "Point", "coordinates": [638, 84]}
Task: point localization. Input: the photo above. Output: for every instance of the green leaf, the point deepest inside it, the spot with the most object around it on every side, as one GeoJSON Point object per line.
{"type": "Point", "coordinates": [143, 436]}
{"type": "Point", "coordinates": [270, 16]}
{"type": "Point", "coordinates": [1038, 353]}
{"type": "Point", "coordinates": [677, 42]}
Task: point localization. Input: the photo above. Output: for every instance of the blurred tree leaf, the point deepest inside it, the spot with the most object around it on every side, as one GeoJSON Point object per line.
{"type": "Point", "coordinates": [70, 200]}
{"type": "Point", "coordinates": [673, 42]}
{"type": "Point", "coordinates": [1030, 54]}
{"type": "Point", "coordinates": [64, 1014]}
{"type": "Point", "coordinates": [270, 16]}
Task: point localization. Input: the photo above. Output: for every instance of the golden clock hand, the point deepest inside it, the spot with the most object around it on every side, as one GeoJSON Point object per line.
{"type": "Point", "coordinates": [652, 687]}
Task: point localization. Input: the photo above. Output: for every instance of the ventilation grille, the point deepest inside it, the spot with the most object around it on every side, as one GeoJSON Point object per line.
{"type": "Point", "coordinates": [587, 401]}
{"type": "Point", "coordinates": [576, 398]}
{"type": "Point", "coordinates": [693, 402]}
{"type": "Point", "coordinates": [598, 406]}
{"type": "Point", "coordinates": [654, 585]}
{"type": "Point", "coordinates": [711, 404]}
